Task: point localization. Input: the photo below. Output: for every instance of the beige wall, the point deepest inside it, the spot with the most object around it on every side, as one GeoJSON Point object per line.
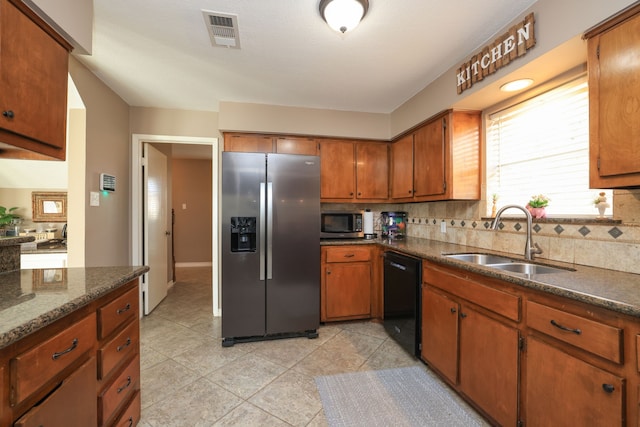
{"type": "Point", "coordinates": [107, 227]}
{"type": "Point", "coordinates": [191, 197]}
{"type": "Point", "coordinates": [160, 121]}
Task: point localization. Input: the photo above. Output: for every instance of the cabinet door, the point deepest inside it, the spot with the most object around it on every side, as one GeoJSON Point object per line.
{"type": "Point", "coordinates": [372, 170]}
{"type": "Point", "coordinates": [562, 390]}
{"type": "Point", "coordinates": [33, 84]}
{"type": "Point", "coordinates": [402, 168]}
{"type": "Point", "coordinates": [337, 170]}
{"type": "Point", "coordinates": [348, 290]}
{"type": "Point", "coordinates": [614, 100]}
{"type": "Point", "coordinates": [489, 365]}
{"type": "Point", "coordinates": [429, 159]}
{"type": "Point", "coordinates": [248, 143]}
{"type": "Point", "coordinates": [291, 145]}
{"type": "Point", "coordinates": [440, 333]}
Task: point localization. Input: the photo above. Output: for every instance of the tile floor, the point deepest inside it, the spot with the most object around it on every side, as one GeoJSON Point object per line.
{"type": "Point", "coordinates": [189, 379]}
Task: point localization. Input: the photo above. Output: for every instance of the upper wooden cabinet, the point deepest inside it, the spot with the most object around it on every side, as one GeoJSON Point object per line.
{"type": "Point", "coordinates": [257, 143]}
{"type": "Point", "coordinates": [353, 171]}
{"type": "Point", "coordinates": [33, 85]}
{"type": "Point", "coordinates": [438, 161]}
{"type": "Point", "coordinates": [614, 101]}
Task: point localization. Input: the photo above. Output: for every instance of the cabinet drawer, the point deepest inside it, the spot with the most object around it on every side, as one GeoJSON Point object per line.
{"type": "Point", "coordinates": [117, 312]}
{"type": "Point", "coordinates": [348, 254]}
{"type": "Point", "coordinates": [122, 387]}
{"type": "Point", "coordinates": [70, 405]}
{"type": "Point", "coordinates": [32, 369]}
{"type": "Point", "coordinates": [594, 337]}
{"type": "Point", "coordinates": [131, 415]}
{"type": "Point", "coordinates": [123, 345]}
{"type": "Point", "coordinates": [500, 302]}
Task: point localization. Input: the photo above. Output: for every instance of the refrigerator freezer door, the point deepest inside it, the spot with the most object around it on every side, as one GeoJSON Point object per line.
{"type": "Point", "coordinates": [293, 292]}
{"type": "Point", "coordinates": [243, 293]}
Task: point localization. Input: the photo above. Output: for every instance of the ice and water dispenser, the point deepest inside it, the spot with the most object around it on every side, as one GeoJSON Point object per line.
{"type": "Point", "coordinates": [243, 234]}
{"type": "Point", "coordinates": [394, 224]}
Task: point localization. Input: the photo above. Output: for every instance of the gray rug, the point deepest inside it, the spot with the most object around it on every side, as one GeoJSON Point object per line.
{"type": "Point", "coordinates": [393, 397]}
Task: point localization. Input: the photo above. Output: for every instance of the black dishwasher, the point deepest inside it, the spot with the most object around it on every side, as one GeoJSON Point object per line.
{"type": "Point", "coordinates": [402, 277]}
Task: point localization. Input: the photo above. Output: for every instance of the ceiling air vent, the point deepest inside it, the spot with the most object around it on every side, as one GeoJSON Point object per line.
{"type": "Point", "coordinates": [223, 29]}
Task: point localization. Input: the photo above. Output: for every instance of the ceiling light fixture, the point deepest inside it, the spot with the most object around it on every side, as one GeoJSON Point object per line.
{"type": "Point", "coordinates": [516, 85]}
{"type": "Point", "coordinates": [343, 15]}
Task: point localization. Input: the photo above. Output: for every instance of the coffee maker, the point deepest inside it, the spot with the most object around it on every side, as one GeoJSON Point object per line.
{"type": "Point", "coordinates": [394, 224]}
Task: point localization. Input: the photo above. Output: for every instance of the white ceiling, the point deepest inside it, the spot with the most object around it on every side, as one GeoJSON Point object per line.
{"type": "Point", "coordinates": [157, 53]}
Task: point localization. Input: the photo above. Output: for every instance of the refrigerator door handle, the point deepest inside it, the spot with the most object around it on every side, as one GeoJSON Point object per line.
{"type": "Point", "coordinates": [261, 237]}
{"type": "Point", "coordinates": [269, 230]}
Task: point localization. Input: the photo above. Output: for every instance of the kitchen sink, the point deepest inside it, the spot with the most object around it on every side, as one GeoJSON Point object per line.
{"type": "Point", "coordinates": [483, 259]}
{"type": "Point", "coordinates": [527, 268]}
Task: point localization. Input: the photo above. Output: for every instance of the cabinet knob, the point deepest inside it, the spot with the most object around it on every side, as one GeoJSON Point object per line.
{"type": "Point", "coordinates": [463, 315]}
{"type": "Point", "coordinates": [453, 310]}
{"type": "Point", "coordinates": [410, 191]}
{"type": "Point", "coordinates": [609, 388]}
{"type": "Point", "coordinates": [8, 114]}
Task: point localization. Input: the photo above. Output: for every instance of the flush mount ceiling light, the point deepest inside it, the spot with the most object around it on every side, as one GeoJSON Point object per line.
{"type": "Point", "coordinates": [343, 15]}
{"type": "Point", "coordinates": [516, 85]}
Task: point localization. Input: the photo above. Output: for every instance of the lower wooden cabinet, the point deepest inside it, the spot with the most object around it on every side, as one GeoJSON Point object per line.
{"type": "Point", "coordinates": [348, 287]}
{"type": "Point", "coordinates": [563, 390]}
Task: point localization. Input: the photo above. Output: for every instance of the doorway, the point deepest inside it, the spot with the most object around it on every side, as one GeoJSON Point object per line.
{"type": "Point", "coordinates": [139, 252]}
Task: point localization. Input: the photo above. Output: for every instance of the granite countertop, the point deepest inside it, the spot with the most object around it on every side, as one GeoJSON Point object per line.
{"type": "Point", "coordinates": [614, 290]}
{"type": "Point", "coordinates": [12, 241]}
{"type": "Point", "coordinates": [33, 299]}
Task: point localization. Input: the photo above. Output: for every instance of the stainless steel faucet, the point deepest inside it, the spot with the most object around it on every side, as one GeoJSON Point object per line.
{"type": "Point", "coordinates": [530, 248]}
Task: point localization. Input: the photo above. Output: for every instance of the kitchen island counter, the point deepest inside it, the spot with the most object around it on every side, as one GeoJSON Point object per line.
{"type": "Point", "coordinates": [32, 299]}
{"type": "Point", "coordinates": [614, 290]}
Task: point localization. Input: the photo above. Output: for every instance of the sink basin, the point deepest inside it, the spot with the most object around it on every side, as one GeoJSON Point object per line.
{"type": "Point", "coordinates": [483, 259]}
{"type": "Point", "coordinates": [526, 268]}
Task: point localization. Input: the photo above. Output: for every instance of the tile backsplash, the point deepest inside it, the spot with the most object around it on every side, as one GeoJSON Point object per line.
{"type": "Point", "coordinates": [608, 244]}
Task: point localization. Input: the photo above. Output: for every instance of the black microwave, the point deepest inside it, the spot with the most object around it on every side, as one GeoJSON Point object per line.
{"type": "Point", "coordinates": [341, 225]}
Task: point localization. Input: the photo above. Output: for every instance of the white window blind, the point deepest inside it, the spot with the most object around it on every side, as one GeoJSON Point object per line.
{"type": "Point", "coordinates": [541, 146]}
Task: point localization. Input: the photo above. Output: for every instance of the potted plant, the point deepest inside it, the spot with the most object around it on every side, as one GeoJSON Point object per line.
{"type": "Point", "coordinates": [6, 218]}
{"type": "Point", "coordinates": [601, 204]}
{"type": "Point", "coordinates": [537, 205]}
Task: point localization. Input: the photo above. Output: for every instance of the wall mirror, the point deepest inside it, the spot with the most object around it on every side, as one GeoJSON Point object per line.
{"type": "Point", "coordinates": [49, 207]}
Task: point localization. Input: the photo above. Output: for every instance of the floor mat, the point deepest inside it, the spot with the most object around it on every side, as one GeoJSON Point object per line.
{"type": "Point", "coordinates": [393, 397]}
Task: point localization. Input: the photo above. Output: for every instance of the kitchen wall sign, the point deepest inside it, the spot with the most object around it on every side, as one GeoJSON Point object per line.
{"type": "Point", "coordinates": [511, 45]}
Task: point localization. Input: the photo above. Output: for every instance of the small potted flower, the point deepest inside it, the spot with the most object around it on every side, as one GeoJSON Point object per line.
{"type": "Point", "coordinates": [537, 205]}
{"type": "Point", "coordinates": [601, 204]}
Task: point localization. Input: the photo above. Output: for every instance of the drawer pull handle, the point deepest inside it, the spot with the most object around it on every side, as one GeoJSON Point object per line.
{"type": "Point", "coordinates": [120, 389]}
{"type": "Point", "coordinates": [130, 421]}
{"type": "Point", "coordinates": [59, 354]}
{"type": "Point", "coordinates": [8, 114]}
{"type": "Point", "coordinates": [609, 388]}
{"type": "Point", "coordinates": [125, 345]}
{"type": "Point", "coordinates": [124, 309]}
{"type": "Point", "coordinates": [564, 328]}
{"type": "Point", "coordinates": [349, 255]}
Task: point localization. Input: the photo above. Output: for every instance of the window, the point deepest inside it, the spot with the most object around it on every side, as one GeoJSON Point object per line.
{"type": "Point", "coordinates": [541, 146]}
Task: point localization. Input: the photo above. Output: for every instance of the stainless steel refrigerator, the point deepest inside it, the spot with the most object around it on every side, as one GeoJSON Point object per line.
{"type": "Point", "coordinates": [270, 246]}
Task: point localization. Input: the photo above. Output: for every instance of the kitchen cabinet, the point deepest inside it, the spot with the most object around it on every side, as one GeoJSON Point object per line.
{"type": "Point", "coordinates": [87, 360]}
{"type": "Point", "coordinates": [470, 336]}
{"type": "Point", "coordinates": [347, 282]}
{"type": "Point", "coordinates": [33, 83]}
{"type": "Point", "coordinates": [353, 171]}
{"type": "Point", "coordinates": [440, 160]}
{"type": "Point", "coordinates": [564, 388]}
{"type": "Point", "coordinates": [613, 65]}
{"type": "Point", "coordinates": [257, 143]}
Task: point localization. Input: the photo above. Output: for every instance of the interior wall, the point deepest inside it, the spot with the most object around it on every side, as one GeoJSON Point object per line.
{"type": "Point", "coordinates": [162, 121]}
{"type": "Point", "coordinates": [107, 227]}
{"type": "Point", "coordinates": [192, 207]}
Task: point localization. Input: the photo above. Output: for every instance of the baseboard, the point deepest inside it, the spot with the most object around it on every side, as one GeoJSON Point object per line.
{"type": "Point", "coordinates": [193, 264]}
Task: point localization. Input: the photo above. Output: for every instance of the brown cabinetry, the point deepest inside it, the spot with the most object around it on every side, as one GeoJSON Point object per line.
{"type": "Point", "coordinates": [353, 171]}
{"type": "Point", "coordinates": [347, 282]}
{"type": "Point", "coordinates": [81, 370]}
{"type": "Point", "coordinates": [33, 85]}
{"type": "Point", "coordinates": [614, 101]}
{"type": "Point", "coordinates": [440, 160]}
{"type": "Point", "coordinates": [468, 335]}
{"type": "Point", "coordinates": [257, 143]}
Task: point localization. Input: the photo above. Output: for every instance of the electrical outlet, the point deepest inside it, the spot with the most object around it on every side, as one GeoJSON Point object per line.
{"type": "Point", "coordinates": [443, 227]}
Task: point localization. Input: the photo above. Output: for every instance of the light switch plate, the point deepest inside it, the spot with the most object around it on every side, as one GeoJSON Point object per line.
{"type": "Point", "coordinates": [94, 198]}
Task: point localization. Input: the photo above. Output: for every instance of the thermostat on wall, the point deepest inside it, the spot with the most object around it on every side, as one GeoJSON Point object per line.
{"type": "Point", "coordinates": [107, 182]}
